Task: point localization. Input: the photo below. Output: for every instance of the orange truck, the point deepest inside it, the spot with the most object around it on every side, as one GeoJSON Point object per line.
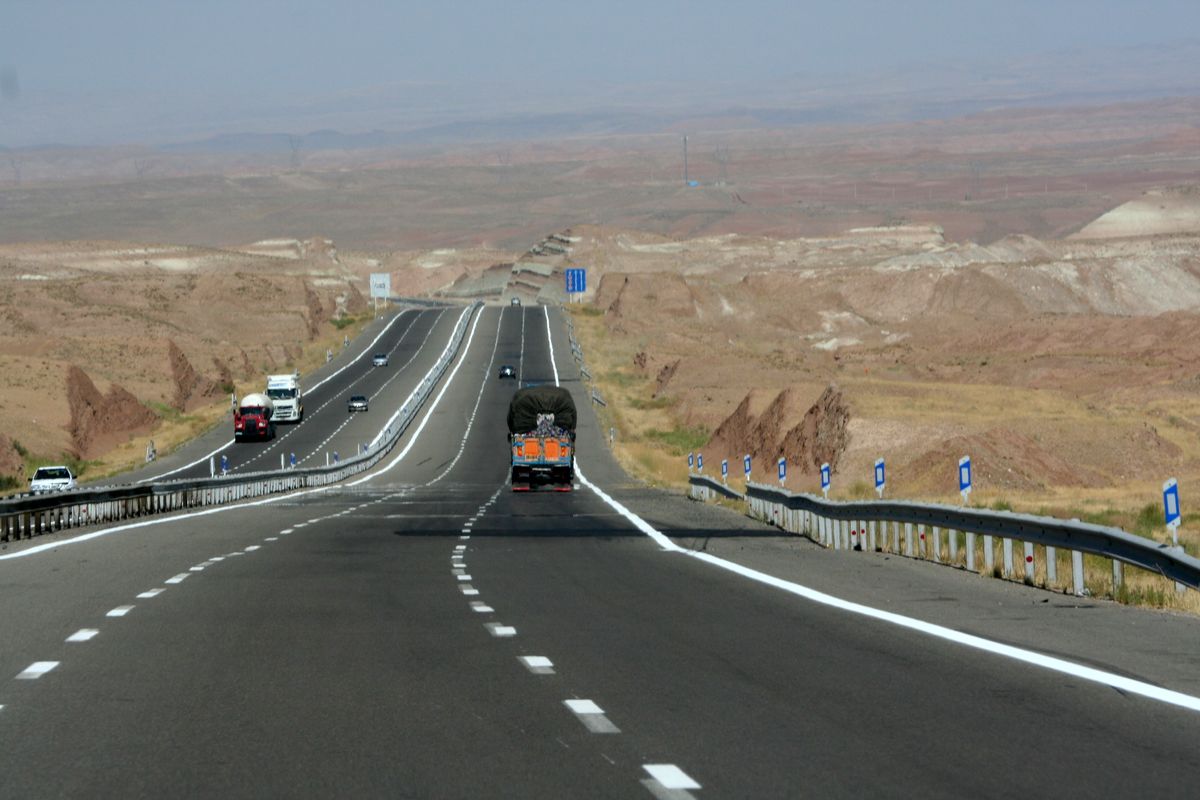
{"type": "Point", "coordinates": [541, 433]}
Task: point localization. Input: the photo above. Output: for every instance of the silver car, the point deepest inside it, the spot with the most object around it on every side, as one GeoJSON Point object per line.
{"type": "Point", "coordinates": [52, 479]}
{"type": "Point", "coordinates": [358, 402]}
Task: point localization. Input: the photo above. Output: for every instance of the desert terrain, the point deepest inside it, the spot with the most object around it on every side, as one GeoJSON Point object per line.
{"type": "Point", "coordinates": [1021, 286]}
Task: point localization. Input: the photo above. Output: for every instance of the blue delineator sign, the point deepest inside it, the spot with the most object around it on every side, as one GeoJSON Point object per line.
{"type": "Point", "coordinates": [880, 475]}
{"type": "Point", "coordinates": [576, 280]}
{"type": "Point", "coordinates": [824, 477]}
{"type": "Point", "coordinates": [1171, 503]}
{"type": "Point", "coordinates": [782, 470]}
{"type": "Point", "coordinates": [964, 474]}
{"type": "Point", "coordinates": [691, 461]}
{"type": "Point", "coordinates": [746, 465]}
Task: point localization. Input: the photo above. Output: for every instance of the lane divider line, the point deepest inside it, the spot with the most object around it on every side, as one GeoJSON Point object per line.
{"type": "Point", "coordinates": [500, 631]}
{"type": "Point", "coordinates": [83, 635]}
{"type": "Point", "coordinates": [592, 716]}
{"type": "Point", "coordinates": [36, 670]}
{"type": "Point", "coordinates": [538, 665]}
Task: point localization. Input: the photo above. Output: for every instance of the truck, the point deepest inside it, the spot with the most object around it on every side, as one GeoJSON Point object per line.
{"type": "Point", "coordinates": [253, 419]}
{"type": "Point", "coordinates": [541, 437]}
{"type": "Point", "coordinates": [284, 391]}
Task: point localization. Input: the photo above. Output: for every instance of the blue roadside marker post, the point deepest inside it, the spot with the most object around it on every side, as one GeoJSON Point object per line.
{"type": "Point", "coordinates": [1172, 516]}
{"type": "Point", "coordinates": [224, 464]}
{"type": "Point", "coordinates": [691, 462]}
{"type": "Point", "coordinates": [825, 475]}
{"type": "Point", "coordinates": [746, 466]}
{"type": "Point", "coordinates": [782, 471]}
{"type": "Point", "coordinates": [700, 463]}
{"type": "Point", "coordinates": [880, 477]}
{"type": "Point", "coordinates": [964, 479]}
{"type": "Point", "coordinates": [725, 471]}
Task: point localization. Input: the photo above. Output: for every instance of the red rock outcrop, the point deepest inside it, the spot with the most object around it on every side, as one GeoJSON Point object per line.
{"type": "Point", "coordinates": [191, 388]}
{"type": "Point", "coordinates": [822, 436]}
{"type": "Point", "coordinates": [98, 420]}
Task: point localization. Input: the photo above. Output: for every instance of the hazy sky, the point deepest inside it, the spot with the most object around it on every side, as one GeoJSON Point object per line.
{"type": "Point", "coordinates": [54, 52]}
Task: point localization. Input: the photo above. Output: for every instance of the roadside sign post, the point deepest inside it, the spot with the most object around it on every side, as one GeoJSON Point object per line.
{"type": "Point", "coordinates": [292, 460]}
{"type": "Point", "coordinates": [691, 461]}
{"type": "Point", "coordinates": [964, 479]}
{"type": "Point", "coordinates": [746, 466]}
{"type": "Point", "coordinates": [700, 462]}
{"type": "Point", "coordinates": [782, 471]}
{"type": "Point", "coordinates": [381, 287]}
{"type": "Point", "coordinates": [1171, 513]}
{"type": "Point", "coordinates": [1172, 516]}
{"type": "Point", "coordinates": [825, 475]}
{"type": "Point", "coordinates": [224, 464]}
{"type": "Point", "coordinates": [725, 470]}
{"type": "Point", "coordinates": [576, 278]}
{"type": "Point", "coordinates": [880, 477]}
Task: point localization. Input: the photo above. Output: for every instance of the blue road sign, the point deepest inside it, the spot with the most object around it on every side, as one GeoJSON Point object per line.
{"type": "Point", "coordinates": [691, 461]}
{"type": "Point", "coordinates": [724, 467]}
{"type": "Point", "coordinates": [746, 465]}
{"type": "Point", "coordinates": [1171, 503]}
{"type": "Point", "coordinates": [224, 463]}
{"type": "Point", "coordinates": [824, 477]}
{"type": "Point", "coordinates": [576, 280]}
{"type": "Point", "coordinates": [700, 462]}
{"type": "Point", "coordinates": [782, 470]}
{"type": "Point", "coordinates": [292, 459]}
{"type": "Point", "coordinates": [880, 475]}
{"type": "Point", "coordinates": [964, 474]}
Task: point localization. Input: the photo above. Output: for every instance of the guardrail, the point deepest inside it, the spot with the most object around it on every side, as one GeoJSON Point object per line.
{"type": "Point", "coordinates": [31, 516]}
{"type": "Point", "coordinates": [949, 534]}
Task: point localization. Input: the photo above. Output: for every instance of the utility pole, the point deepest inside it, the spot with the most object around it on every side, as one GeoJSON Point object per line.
{"type": "Point", "coordinates": [685, 168]}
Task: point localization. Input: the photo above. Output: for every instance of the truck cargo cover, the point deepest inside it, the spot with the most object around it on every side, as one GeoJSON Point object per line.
{"type": "Point", "coordinates": [529, 402]}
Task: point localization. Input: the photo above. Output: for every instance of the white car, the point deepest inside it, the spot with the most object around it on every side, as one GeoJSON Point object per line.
{"type": "Point", "coordinates": [380, 359]}
{"type": "Point", "coordinates": [52, 479]}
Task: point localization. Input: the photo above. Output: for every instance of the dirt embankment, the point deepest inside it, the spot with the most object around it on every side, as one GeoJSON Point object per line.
{"type": "Point", "coordinates": [191, 388]}
{"type": "Point", "coordinates": [819, 435]}
{"type": "Point", "coordinates": [98, 421]}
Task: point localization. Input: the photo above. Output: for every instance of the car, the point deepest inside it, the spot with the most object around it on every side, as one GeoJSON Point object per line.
{"type": "Point", "coordinates": [52, 479]}
{"type": "Point", "coordinates": [507, 371]}
{"type": "Point", "coordinates": [380, 359]}
{"type": "Point", "coordinates": [357, 402]}
{"type": "Point", "coordinates": [516, 301]}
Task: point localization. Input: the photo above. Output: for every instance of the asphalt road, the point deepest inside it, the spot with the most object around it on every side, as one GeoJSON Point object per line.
{"type": "Point", "coordinates": [425, 632]}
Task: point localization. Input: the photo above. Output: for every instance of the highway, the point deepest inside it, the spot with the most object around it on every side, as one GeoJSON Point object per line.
{"type": "Point", "coordinates": [422, 631]}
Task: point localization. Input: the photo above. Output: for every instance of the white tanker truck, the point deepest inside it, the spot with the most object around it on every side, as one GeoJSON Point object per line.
{"type": "Point", "coordinates": [252, 419]}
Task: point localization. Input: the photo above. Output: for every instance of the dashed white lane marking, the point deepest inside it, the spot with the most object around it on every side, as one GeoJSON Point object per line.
{"type": "Point", "coordinates": [469, 590]}
{"type": "Point", "coordinates": [592, 716]}
{"type": "Point", "coordinates": [271, 539]}
{"type": "Point", "coordinates": [149, 593]}
{"type": "Point", "coordinates": [496, 629]}
{"type": "Point", "coordinates": [458, 571]}
{"type": "Point", "coordinates": [464, 537]}
{"type": "Point", "coordinates": [285, 531]}
{"type": "Point", "coordinates": [238, 553]}
{"type": "Point", "coordinates": [460, 547]}
{"type": "Point", "coordinates": [464, 577]}
{"type": "Point", "coordinates": [538, 665]}
{"type": "Point", "coordinates": [670, 776]}
{"type": "Point", "coordinates": [180, 578]}
{"type": "Point", "coordinates": [299, 525]}
{"type": "Point", "coordinates": [481, 608]}
{"type": "Point", "coordinates": [197, 568]}
{"type": "Point", "coordinates": [252, 548]}
{"type": "Point", "coordinates": [119, 611]}
{"type": "Point", "coordinates": [311, 521]}
{"type": "Point", "coordinates": [215, 559]}
{"type": "Point", "coordinates": [36, 670]}
{"type": "Point", "coordinates": [83, 635]}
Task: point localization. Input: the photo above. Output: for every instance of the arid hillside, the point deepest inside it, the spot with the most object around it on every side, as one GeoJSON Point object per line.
{"type": "Point", "coordinates": [102, 342]}
{"type": "Point", "coordinates": [1064, 367]}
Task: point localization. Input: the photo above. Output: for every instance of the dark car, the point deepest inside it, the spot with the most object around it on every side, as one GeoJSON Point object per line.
{"type": "Point", "coordinates": [508, 371]}
{"type": "Point", "coordinates": [358, 402]}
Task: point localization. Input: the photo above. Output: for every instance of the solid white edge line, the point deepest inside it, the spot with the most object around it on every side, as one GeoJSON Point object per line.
{"type": "Point", "coordinates": [429, 413]}
{"type": "Point", "coordinates": [324, 380]}
{"type": "Point", "coordinates": [1030, 657]}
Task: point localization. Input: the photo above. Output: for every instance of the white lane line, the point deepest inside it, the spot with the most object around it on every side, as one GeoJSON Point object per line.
{"type": "Point", "coordinates": [215, 559]}
{"type": "Point", "coordinates": [234, 555]}
{"type": "Point", "coordinates": [180, 578]}
{"type": "Point", "coordinates": [285, 531]}
{"type": "Point", "coordinates": [481, 608]}
{"type": "Point", "coordinates": [460, 547]}
{"type": "Point", "coordinates": [271, 539]}
{"type": "Point", "coordinates": [197, 568]}
{"type": "Point", "coordinates": [469, 590]}
{"type": "Point", "coordinates": [36, 670]}
{"type": "Point", "coordinates": [496, 629]}
{"type": "Point", "coordinates": [947, 634]}
{"type": "Point", "coordinates": [538, 665]}
{"type": "Point", "coordinates": [252, 548]}
{"type": "Point", "coordinates": [83, 635]}
{"type": "Point", "coordinates": [670, 776]}
{"type": "Point", "coordinates": [592, 716]}
{"type": "Point", "coordinates": [464, 577]}
{"type": "Point", "coordinates": [458, 571]}
{"type": "Point", "coordinates": [299, 525]}
{"type": "Point", "coordinates": [119, 611]}
{"type": "Point", "coordinates": [464, 537]}
{"type": "Point", "coordinates": [312, 521]}
{"type": "Point", "coordinates": [149, 593]}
